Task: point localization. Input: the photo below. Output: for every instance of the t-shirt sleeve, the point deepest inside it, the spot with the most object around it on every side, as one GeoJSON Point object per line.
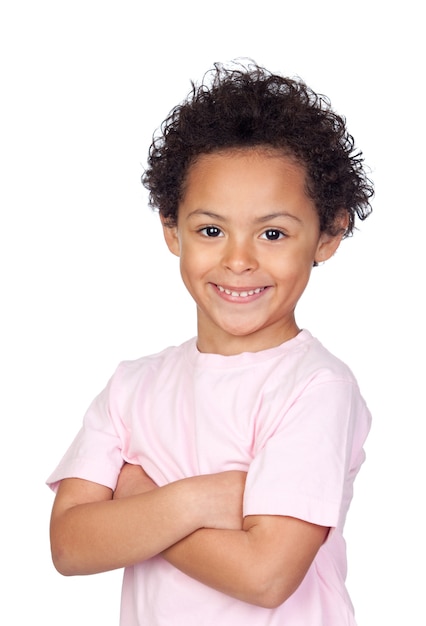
{"type": "Point", "coordinates": [306, 467]}
{"type": "Point", "coordinates": [95, 453]}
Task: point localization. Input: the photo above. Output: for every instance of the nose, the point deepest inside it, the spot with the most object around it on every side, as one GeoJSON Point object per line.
{"type": "Point", "coordinates": [239, 256]}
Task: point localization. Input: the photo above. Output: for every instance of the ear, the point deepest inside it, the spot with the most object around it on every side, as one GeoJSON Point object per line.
{"type": "Point", "coordinates": [328, 243]}
{"type": "Point", "coordinates": [171, 237]}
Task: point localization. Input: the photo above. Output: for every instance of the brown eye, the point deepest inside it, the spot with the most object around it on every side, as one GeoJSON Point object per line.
{"type": "Point", "coordinates": [272, 234]}
{"type": "Point", "coordinates": [211, 231]}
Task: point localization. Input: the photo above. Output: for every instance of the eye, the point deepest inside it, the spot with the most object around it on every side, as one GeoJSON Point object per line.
{"type": "Point", "coordinates": [272, 234]}
{"type": "Point", "coordinates": [210, 231]}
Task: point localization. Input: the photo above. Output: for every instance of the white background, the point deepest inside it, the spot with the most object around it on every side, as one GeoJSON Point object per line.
{"type": "Point", "coordinates": [86, 280]}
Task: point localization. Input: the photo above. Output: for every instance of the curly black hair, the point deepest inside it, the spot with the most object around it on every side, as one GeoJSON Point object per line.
{"type": "Point", "coordinates": [246, 106]}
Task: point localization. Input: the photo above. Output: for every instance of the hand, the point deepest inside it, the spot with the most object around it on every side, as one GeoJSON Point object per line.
{"type": "Point", "coordinates": [132, 481]}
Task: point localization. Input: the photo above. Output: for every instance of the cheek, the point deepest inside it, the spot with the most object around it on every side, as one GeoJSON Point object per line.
{"type": "Point", "coordinates": [195, 258]}
{"type": "Point", "coordinates": [296, 260]}
{"type": "Point", "coordinates": [190, 268]}
{"type": "Point", "coordinates": [296, 272]}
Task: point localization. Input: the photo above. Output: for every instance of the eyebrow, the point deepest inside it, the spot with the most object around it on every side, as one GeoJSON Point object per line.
{"type": "Point", "coordinates": [272, 216]}
{"type": "Point", "coordinates": [260, 220]}
{"type": "Point", "coordinates": [213, 216]}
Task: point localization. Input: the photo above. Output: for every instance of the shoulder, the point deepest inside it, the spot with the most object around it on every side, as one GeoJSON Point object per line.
{"type": "Point", "coordinates": [327, 385]}
{"type": "Point", "coordinates": [314, 377]}
{"type": "Point", "coordinates": [131, 373]}
{"type": "Point", "coordinates": [154, 361]}
{"type": "Point", "coordinates": [309, 361]}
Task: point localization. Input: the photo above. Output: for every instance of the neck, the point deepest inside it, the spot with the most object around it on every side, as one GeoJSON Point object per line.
{"type": "Point", "coordinates": [218, 342]}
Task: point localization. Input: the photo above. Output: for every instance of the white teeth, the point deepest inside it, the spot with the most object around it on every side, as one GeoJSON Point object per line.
{"type": "Point", "coordinates": [240, 294]}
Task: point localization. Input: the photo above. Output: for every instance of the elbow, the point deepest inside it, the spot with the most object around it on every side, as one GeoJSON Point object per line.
{"type": "Point", "coordinates": [62, 567]}
{"type": "Point", "coordinates": [61, 559]}
{"type": "Point", "coordinates": [63, 552]}
{"type": "Point", "coordinates": [71, 559]}
{"type": "Point", "coordinates": [269, 599]}
{"type": "Point", "coordinates": [271, 593]}
{"type": "Point", "coordinates": [63, 570]}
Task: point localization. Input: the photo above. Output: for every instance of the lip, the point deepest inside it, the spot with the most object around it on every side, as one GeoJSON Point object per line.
{"type": "Point", "coordinates": [239, 294]}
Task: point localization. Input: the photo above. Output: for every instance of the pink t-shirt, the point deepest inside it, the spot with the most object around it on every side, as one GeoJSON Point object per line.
{"type": "Point", "coordinates": [291, 416]}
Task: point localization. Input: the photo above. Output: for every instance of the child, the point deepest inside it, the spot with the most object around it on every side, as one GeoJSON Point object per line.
{"type": "Point", "coordinates": [219, 473]}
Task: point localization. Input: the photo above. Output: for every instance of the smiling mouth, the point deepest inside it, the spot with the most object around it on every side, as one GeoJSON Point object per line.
{"type": "Point", "coordinates": [240, 294]}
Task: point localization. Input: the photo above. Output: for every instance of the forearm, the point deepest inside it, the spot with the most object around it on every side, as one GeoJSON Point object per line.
{"type": "Point", "coordinates": [97, 536]}
{"type": "Point", "coordinates": [221, 559]}
{"type": "Point", "coordinates": [262, 564]}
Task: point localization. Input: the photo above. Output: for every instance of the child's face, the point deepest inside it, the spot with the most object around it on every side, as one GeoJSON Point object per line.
{"type": "Point", "coordinates": [247, 237]}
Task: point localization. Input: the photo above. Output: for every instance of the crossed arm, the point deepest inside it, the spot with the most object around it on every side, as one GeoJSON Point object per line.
{"type": "Point", "coordinates": [196, 524]}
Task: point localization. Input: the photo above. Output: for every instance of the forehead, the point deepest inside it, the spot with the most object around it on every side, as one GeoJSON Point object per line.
{"type": "Point", "coordinates": [251, 176]}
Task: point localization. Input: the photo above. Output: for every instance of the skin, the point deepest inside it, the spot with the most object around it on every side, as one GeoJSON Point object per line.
{"type": "Point", "coordinates": [247, 236]}
{"type": "Point", "coordinates": [89, 531]}
{"type": "Point", "coordinates": [246, 223]}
